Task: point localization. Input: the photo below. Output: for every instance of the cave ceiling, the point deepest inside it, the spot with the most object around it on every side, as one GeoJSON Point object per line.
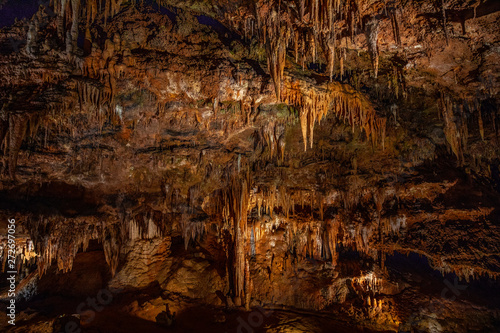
{"type": "Point", "coordinates": [330, 159]}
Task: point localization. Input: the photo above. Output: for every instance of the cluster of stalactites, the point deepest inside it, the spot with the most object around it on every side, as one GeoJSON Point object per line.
{"type": "Point", "coordinates": [319, 239]}
{"type": "Point", "coordinates": [88, 9]}
{"type": "Point", "coordinates": [67, 14]}
{"type": "Point", "coordinates": [319, 236]}
{"type": "Point", "coordinates": [60, 245]}
{"type": "Point", "coordinates": [272, 135]}
{"type": "Point", "coordinates": [315, 103]}
{"type": "Point", "coordinates": [465, 272]}
{"type": "Point", "coordinates": [316, 239]}
{"type": "Point", "coordinates": [56, 239]}
{"type": "Point", "coordinates": [275, 33]}
{"type": "Point", "coordinates": [91, 94]}
{"type": "Point", "coordinates": [393, 224]}
{"type": "Point", "coordinates": [267, 200]}
{"type": "Point", "coordinates": [368, 286]}
{"type": "Point", "coordinates": [368, 282]}
{"type": "Point", "coordinates": [101, 72]}
{"type": "Point", "coordinates": [100, 100]}
{"type": "Point", "coordinates": [313, 26]}
{"type": "Point", "coordinates": [25, 254]}
{"type": "Point", "coordinates": [144, 228]}
{"type": "Point", "coordinates": [313, 239]}
{"type": "Point", "coordinates": [456, 116]}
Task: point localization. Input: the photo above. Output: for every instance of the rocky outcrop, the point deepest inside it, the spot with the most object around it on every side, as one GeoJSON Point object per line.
{"type": "Point", "coordinates": [336, 159]}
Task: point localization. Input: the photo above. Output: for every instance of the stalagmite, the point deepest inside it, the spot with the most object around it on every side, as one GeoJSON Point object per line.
{"type": "Point", "coordinates": [248, 292]}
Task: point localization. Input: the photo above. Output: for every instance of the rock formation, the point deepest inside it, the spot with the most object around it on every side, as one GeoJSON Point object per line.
{"type": "Point", "coordinates": [252, 162]}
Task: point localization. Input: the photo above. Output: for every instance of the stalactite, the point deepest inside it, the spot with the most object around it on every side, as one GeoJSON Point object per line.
{"type": "Point", "coordinates": [312, 25]}
{"type": "Point", "coordinates": [191, 230]}
{"type": "Point", "coordinates": [296, 42]}
{"type": "Point", "coordinates": [276, 37]}
{"type": "Point", "coordinates": [455, 127]}
{"type": "Point", "coordinates": [331, 57]}
{"type": "Point", "coordinates": [134, 230]}
{"type": "Point", "coordinates": [17, 131]}
{"type": "Point", "coordinates": [73, 33]}
{"type": "Point", "coordinates": [91, 11]}
{"type": "Point", "coordinates": [60, 10]}
{"type": "Point", "coordinates": [341, 64]}
{"type": "Point", "coordinates": [369, 282]}
{"type": "Point", "coordinates": [24, 253]}
{"type": "Point", "coordinates": [240, 220]}
{"type": "Point", "coordinates": [332, 239]}
{"type": "Point", "coordinates": [315, 102]}
{"type": "Point", "coordinates": [31, 37]}
{"type": "Point", "coordinates": [395, 26]}
{"type": "Point", "coordinates": [281, 147]}
{"type": "Point", "coordinates": [381, 124]}
{"type": "Point", "coordinates": [153, 230]}
{"type": "Point", "coordinates": [371, 31]}
{"type": "Point", "coordinates": [480, 122]}
{"type": "Point", "coordinates": [111, 248]}
{"type": "Point", "coordinates": [443, 10]}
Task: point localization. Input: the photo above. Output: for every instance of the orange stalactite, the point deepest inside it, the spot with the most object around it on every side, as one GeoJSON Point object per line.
{"type": "Point", "coordinates": [312, 27]}
{"type": "Point", "coordinates": [315, 103]}
{"type": "Point", "coordinates": [454, 133]}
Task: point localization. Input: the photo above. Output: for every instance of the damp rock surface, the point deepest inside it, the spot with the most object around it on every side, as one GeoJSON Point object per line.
{"type": "Point", "coordinates": [275, 166]}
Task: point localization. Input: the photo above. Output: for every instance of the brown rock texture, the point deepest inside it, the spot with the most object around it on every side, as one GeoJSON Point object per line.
{"type": "Point", "coordinates": [266, 166]}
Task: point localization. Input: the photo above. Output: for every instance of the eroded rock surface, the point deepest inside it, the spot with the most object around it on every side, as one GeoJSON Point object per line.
{"type": "Point", "coordinates": [322, 165]}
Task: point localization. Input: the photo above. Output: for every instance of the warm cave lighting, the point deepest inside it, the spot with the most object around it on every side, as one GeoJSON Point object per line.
{"type": "Point", "coordinates": [249, 166]}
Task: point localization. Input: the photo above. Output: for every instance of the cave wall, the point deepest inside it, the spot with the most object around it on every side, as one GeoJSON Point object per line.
{"type": "Point", "coordinates": [259, 153]}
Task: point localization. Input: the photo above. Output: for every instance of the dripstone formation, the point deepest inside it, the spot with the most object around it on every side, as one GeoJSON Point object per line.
{"type": "Point", "coordinates": [322, 165]}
